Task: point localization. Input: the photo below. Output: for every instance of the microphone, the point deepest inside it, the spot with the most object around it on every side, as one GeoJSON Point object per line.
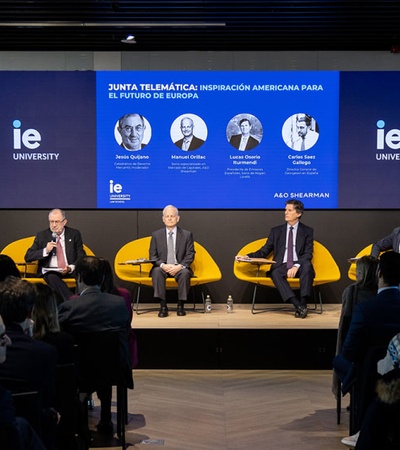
{"type": "Point", "coordinates": [54, 239]}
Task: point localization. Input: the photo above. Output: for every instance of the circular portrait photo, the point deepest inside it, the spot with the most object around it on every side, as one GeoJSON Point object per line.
{"type": "Point", "coordinates": [300, 132]}
{"type": "Point", "coordinates": [188, 132]}
{"type": "Point", "coordinates": [132, 132]}
{"type": "Point", "coordinates": [244, 132]}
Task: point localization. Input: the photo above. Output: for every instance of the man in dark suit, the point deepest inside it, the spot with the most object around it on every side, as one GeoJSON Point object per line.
{"type": "Point", "coordinates": [244, 141]}
{"type": "Point", "coordinates": [30, 360]}
{"type": "Point", "coordinates": [20, 434]}
{"type": "Point", "coordinates": [291, 261]}
{"type": "Point", "coordinates": [58, 247]}
{"type": "Point", "coordinates": [189, 141]}
{"type": "Point", "coordinates": [373, 324]}
{"type": "Point", "coordinates": [391, 242]}
{"type": "Point", "coordinates": [96, 311]}
{"type": "Point", "coordinates": [172, 250]}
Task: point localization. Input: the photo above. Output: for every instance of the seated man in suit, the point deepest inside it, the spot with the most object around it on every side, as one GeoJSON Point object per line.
{"type": "Point", "coordinates": [57, 247]}
{"type": "Point", "coordinates": [96, 311]}
{"type": "Point", "coordinates": [292, 247]}
{"type": "Point", "coordinates": [374, 322]}
{"type": "Point", "coordinates": [27, 359]}
{"type": "Point", "coordinates": [172, 250]}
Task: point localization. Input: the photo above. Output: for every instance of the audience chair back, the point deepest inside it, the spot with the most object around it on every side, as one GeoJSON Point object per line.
{"type": "Point", "coordinates": [204, 267]}
{"type": "Point", "coordinates": [326, 271]}
{"type": "Point", "coordinates": [99, 365]}
{"type": "Point", "coordinates": [16, 251]}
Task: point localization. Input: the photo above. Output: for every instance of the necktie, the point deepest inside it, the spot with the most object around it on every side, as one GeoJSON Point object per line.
{"type": "Point", "coordinates": [289, 262]}
{"type": "Point", "coordinates": [60, 255]}
{"type": "Point", "coordinates": [186, 143]}
{"type": "Point", "coordinates": [170, 248]}
{"type": "Point", "coordinates": [302, 144]}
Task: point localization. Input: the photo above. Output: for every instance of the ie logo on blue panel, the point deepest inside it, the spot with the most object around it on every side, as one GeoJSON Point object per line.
{"type": "Point", "coordinates": [30, 138]}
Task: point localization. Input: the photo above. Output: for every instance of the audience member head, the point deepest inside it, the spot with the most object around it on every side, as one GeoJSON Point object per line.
{"type": "Point", "coordinates": [108, 284]}
{"type": "Point", "coordinates": [366, 268]}
{"type": "Point", "coordinates": [8, 268]}
{"type": "Point", "coordinates": [389, 269]}
{"type": "Point", "coordinates": [16, 301]}
{"type": "Point", "coordinates": [4, 341]}
{"type": "Point", "coordinates": [89, 271]}
{"type": "Point", "coordinates": [45, 312]}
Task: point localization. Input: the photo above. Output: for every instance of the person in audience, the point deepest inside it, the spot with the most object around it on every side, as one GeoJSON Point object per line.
{"type": "Point", "coordinates": [20, 434]}
{"type": "Point", "coordinates": [365, 287]}
{"type": "Point", "coordinates": [59, 248]}
{"type": "Point", "coordinates": [374, 322]}
{"type": "Point", "coordinates": [391, 242]}
{"type": "Point", "coordinates": [172, 250]}
{"type": "Point", "coordinates": [46, 326]}
{"type": "Point", "coordinates": [8, 268]}
{"type": "Point", "coordinates": [291, 260]}
{"type": "Point", "coordinates": [108, 285]}
{"type": "Point", "coordinates": [380, 427]}
{"type": "Point", "coordinates": [28, 359]}
{"type": "Point", "coordinates": [96, 311]}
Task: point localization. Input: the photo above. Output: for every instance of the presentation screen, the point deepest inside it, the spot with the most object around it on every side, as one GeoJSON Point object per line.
{"type": "Point", "coordinates": [199, 140]}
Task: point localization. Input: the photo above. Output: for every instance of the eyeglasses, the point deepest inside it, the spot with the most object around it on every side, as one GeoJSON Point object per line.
{"type": "Point", "coordinates": [128, 129]}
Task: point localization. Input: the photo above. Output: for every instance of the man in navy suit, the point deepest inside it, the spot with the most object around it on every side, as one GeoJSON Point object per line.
{"type": "Point", "coordinates": [391, 242]}
{"type": "Point", "coordinates": [299, 266]}
{"type": "Point", "coordinates": [44, 250]}
{"type": "Point", "coordinates": [172, 260]}
{"type": "Point", "coordinates": [96, 311]}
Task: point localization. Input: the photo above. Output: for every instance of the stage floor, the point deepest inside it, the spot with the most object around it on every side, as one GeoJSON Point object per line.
{"type": "Point", "coordinates": [240, 318]}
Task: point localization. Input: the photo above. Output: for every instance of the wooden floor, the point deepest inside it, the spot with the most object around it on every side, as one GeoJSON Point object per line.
{"type": "Point", "coordinates": [281, 316]}
{"type": "Point", "coordinates": [235, 410]}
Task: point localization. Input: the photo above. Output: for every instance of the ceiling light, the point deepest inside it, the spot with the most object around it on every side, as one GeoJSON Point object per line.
{"type": "Point", "coordinates": [130, 39]}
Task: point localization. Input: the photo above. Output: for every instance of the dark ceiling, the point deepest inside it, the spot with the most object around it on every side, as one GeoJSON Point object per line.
{"type": "Point", "coordinates": [99, 25]}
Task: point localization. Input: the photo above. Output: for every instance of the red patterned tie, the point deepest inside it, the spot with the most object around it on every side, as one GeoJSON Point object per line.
{"type": "Point", "coordinates": [60, 255]}
{"type": "Point", "coordinates": [289, 262]}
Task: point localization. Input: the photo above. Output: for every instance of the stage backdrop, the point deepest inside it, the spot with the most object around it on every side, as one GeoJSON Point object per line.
{"type": "Point", "coordinates": [200, 140]}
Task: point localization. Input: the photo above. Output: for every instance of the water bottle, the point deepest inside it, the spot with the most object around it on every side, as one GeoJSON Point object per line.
{"type": "Point", "coordinates": [229, 304]}
{"type": "Point", "coordinates": [208, 306]}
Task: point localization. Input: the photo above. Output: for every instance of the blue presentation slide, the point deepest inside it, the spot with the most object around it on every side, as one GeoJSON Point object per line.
{"type": "Point", "coordinates": [217, 140]}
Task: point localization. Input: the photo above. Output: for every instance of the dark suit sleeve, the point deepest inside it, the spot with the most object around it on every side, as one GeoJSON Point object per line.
{"type": "Point", "coordinates": [75, 251]}
{"type": "Point", "coordinates": [387, 243]}
{"type": "Point", "coordinates": [267, 249]}
{"type": "Point", "coordinates": [156, 252]}
{"type": "Point", "coordinates": [35, 253]}
{"type": "Point", "coordinates": [353, 344]}
{"type": "Point", "coordinates": [185, 252]}
{"type": "Point", "coordinates": [306, 247]}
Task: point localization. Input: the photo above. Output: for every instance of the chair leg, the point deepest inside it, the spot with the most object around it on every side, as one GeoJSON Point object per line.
{"type": "Point", "coordinates": [338, 401]}
{"type": "Point", "coordinates": [121, 414]}
{"type": "Point", "coordinates": [318, 308]}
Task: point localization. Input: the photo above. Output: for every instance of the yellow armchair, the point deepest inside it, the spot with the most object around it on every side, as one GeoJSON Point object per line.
{"type": "Point", "coordinates": [204, 267]}
{"type": "Point", "coordinates": [326, 271]}
{"type": "Point", "coordinates": [16, 251]}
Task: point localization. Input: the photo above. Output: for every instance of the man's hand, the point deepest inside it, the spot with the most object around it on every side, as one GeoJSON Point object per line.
{"type": "Point", "coordinates": [172, 269]}
{"type": "Point", "coordinates": [291, 273]}
{"type": "Point", "coordinates": [49, 247]}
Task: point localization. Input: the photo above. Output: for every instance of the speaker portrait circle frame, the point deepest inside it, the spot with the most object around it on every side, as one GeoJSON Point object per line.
{"type": "Point", "coordinates": [234, 131]}
{"type": "Point", "coordinates": [298, 125]}
{"type": "Point", "coordinates": [200, 130]}
{"type": "Point", "coordinates": [147, 134]}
